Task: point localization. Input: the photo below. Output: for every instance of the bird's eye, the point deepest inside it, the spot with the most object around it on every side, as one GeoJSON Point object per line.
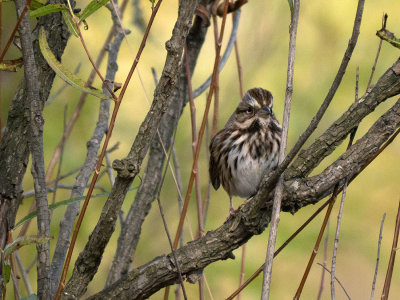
{"type": "Point", "coordinates": [249, 109]}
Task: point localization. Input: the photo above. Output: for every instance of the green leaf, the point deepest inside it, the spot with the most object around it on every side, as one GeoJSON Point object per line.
{"type": "Point", "coordinates": [61, 203]}
{"type": "Point", "coordinates": [63, 72]}
{"type": "Point", "coordinates": [23, 241]}
{"type": "Point", "coordinates": [6, 271]}
{"type": "Point", "coordinates": [70, 23]}
{"type": "Point", "coordinates": [35, 5]}
{"type": "Point", "coordinates": [47, 9]}
{"type": "Point", "coordinates": [54, 206]}
{"type": "Point", "coordinates": [93, 6]}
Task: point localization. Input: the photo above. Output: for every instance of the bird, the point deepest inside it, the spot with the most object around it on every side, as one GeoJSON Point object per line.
{"type": "Point", "coordinates": [246, 148]}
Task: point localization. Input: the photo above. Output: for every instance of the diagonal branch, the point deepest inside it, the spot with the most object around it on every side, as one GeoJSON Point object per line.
{"type": "Point", "coordinates": [90, 258]}
{"type": "Point", "coordinates": [253, 217]}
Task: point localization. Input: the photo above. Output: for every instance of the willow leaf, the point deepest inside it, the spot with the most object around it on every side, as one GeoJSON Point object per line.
{"type": "Point", "coordinates": [47, 9]}
{"type": "Point", "coordinates": [93, 6]}
{"type": "Point", "coordinates": [23, 241]}
{"type": "Point", "coordinates": [70, 22]}
{"type": "Point", "coordinates": [63, 72]}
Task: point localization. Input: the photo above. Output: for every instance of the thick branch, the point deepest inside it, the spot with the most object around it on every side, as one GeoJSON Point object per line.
{"type": "Point", "coordinates": [253, 217]}
{"type": "Point", "coordinates": [90, 258]}
{"type": "Point", "coordinates": [89, 165]}
{"type": "Point", "coordinates": [14, 150]}
{"type": "Point", "coordinates": [145, 195]}
{"type": "Point", "coordinates": [387, 86]}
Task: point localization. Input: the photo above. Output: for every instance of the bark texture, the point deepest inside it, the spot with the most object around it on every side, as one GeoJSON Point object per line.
{"type": "Point", "coordinates": [299, 191]}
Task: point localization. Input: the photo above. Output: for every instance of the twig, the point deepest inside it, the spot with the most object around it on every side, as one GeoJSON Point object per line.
{"type": "Point", "coordinates": [317, 243]}
{"type": "Point", "coordinates": [89, 56]}
{"type": "Point", "coordinates": [11, 38]}
{"type": "Point", "coordinates": [332, 91]}
{"type": "Point", "coordinates": [241, 93]}
{"type": "Point", "coordinates": [14, 280]}
{"type": "Point", "coordinates": [341, 285]}
{"type": "Point", "coordinates": [36, 149]}
{"type": "Point", "coordinates": [252, 277]}
{"type": "Point", "coordinates": [336, 240]}
{"type": "Point", "coordinates": [388, 278]}
{"type": "Point", "coordinates": [300, 229]}
{"type": "Point", "coordinates": [165, 223]}
{"type": "Point", "coordinates": [112, 70]}
{"type": "Point", "coordinates": [235, 25]}
{"type": "Point", "coordinates": [200, 225]}
{"type": "Point", "coordinates": [321, 285]}
{"type": "Point", "coordinates": [94, 248]}
{"type": "Point", "coordinates": [214, 124]}
{"type": "Point", "coordinates": [375, 62]}
{"type": "Point", "coordinates": [275, 216]}
{"type": "Point", "coordinates": [377, 258]}
{"type": "Point", "coordinates": [61, 157]}
{"type": "Point", "coordinates": [24, 274]}
{"type": "Point", "coordinates": [339, 217]}
{"type": "Point", "coordinates": [82, 99]}
{"type": "Point", "coordinates": [202, 127]}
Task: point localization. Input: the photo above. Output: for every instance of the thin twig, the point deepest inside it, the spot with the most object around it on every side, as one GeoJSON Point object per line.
{"type": "Point", "coordinates": [340, 213]}
{"type": "Point", "coordinates": [374, 66]}
{"type": "Point", "coordinates": [235, 25]}
{"type": "Point", "coordinates": [336, 240]}
{"type": "Point", "coordinates": [318, 241]}
{"type": "Point", "coordinates": [165, 222]}
{"type": "Point", "coordinates": [11, 38]}
{"type": "Point", "coordinates": [341, 285]}
{"type": "Point", "coordinates": [315, 214]}
{"type": "Point", "coordinates": [15, 284]}
{"type": "Point", "coordinates": [61, 157]}
{"type": "Point", "coordinates": [109, 132]}
{"type": "Point", "coordinates": [241, 93]}
{"type": "Point", "coordinates": [24, 274]}
{"type": "Point", "coordinates": [214, 124]}
{"type": "Point", "coordinates": [388, 278]}
{"type": "Point", "coordinates": [200, 225]}
{"type": "Point", "coordinates": [201, 133]}
{"type": "Point", "coordinates": [82, 99]}
{"type": "Point", "coordinates": [276, 209]}
{"type": "Point", "coordinates": [331, 93]}
{"type": "Point", "coordinates": [377, 258]}
{"type": "Point", "coordinates": [35, 136]}
{"type": "Point", "coordinates": [321, 285]}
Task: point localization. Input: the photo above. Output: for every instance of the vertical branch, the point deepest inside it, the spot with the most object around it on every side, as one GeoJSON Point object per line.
{"type": "Point", "coordinates": [377, 257]}
{"type": "Point", "coordinates": [339, 218]}
{"type": "Point", "coordinates": [201, 132]}
{"type": "Point", "coordinates": [285, 126]}
{"type": "Point", "coordinates": [388, 278]}
{"type": "Point", "coordinates": [36, 122]}
{"type": "Point", "coordinates": [321, 285]}
{"type": "Point", "coordinates": [200, 230]}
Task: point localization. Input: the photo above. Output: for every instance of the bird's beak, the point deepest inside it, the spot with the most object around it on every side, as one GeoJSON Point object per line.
{"type": "Point", "coordinates": [266, 108]}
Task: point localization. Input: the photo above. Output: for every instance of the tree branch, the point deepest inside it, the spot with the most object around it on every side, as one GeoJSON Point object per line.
{"type": "Point", "coordinates": [253, 217]}
{"type": "Point", "coordinates": [145, 195]}
{"type": "Point", "coordinates": [89, 259]}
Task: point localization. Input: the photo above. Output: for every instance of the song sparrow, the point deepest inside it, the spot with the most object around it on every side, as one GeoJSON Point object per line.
{"type": "Point", "coordinates": [246, 147]}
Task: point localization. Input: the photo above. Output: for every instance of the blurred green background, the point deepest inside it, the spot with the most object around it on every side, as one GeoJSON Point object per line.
{"type": "Point", "coordinates": [323, 33]}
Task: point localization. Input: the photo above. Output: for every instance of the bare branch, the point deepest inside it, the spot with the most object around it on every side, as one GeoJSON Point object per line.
{"type": "Point", "coordinates": [267, 271]}
{"type": "Point", "coordinates": [252, 218]}
{"type": "Point", "coordinates": [89, 259]}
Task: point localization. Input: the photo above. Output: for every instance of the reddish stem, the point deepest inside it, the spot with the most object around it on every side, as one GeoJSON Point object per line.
{"type": "Point", "coordinates": [14, 30]}
{"type": "Point", "coordinates": [103, 151]}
